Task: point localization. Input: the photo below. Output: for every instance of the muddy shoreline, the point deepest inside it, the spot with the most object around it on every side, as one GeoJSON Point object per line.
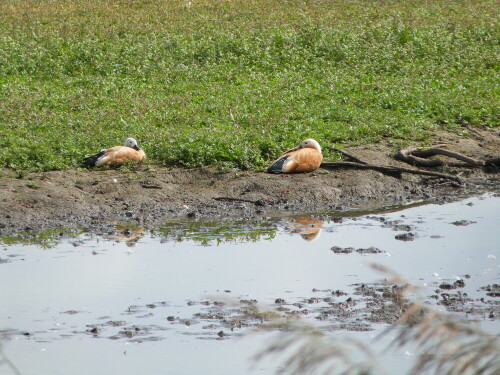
{"type": "Point", "coordinates": [149, 195]}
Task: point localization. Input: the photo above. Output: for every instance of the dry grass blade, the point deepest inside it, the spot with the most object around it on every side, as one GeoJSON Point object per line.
{"type": "Point", "coordinates": [308, 351]}
{"type": "Point", "coordinates": [5, 360]}
{"type": "Point", "coordinates": [446, 345]}
{"type": "Point", "coordinates": [449, 346]}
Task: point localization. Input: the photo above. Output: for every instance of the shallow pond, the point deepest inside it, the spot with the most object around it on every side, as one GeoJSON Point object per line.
{"type": "Point", "coordinates": [168, 301]}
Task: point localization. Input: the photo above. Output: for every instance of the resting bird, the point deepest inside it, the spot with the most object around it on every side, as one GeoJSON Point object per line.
{"type": "Point", "coordinates": [308, 227]}
{"type": "Point", "coordinates": [116, 156]}
{"type": "Point", "coordinates": [306, 157]}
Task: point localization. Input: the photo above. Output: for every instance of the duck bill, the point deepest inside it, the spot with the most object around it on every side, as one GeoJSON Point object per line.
{"type": "Point", "coordinates": [136, 148]}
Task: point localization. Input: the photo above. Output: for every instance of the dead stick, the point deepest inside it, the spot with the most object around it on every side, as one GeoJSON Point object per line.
{"type": "Point", "coordinates": [492, 161]}
{"type": "Point", "coordinates": [452, 154]}
{"type": "Point", "coordinates": [394, 171]}
{"type": "Point", "coordinates": [352, 157]}
{"type": "Point", "coordinates": [470, 128]}
{"type": "Point", "coordinates": [417, 156]}
{"type": "Point", "coordinates": [406, 155]}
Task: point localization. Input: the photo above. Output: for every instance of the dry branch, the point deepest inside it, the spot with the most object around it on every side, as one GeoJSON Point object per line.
{"type": "Point", "coordinates": [349, 156]}
{"type": "Point", "coordinates": [418, 156]}
{"type": "Point", "coordinates": [390, 170]}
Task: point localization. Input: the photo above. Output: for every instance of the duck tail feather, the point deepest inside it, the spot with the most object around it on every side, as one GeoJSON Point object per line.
{"type": "Point", "coordinates": [277, 166]}
{"type": "Point", "coordinates": [91, 161]}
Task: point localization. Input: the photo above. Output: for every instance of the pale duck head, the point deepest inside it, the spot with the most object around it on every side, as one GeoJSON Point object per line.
{"type": "Point", "coordinates": [310, 143]}
{"type": "Point", "coordinates": [131, 142]}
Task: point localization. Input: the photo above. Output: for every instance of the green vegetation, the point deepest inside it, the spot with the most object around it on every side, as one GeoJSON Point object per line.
{"type": "Point", "coordinates": [234, 82]}
{"type": "Point", "coordinates": [201, 232]}
{"type": "Point", "coordinates": [209, 233]}
{"type": "Point", "coordinates": [47, 239]}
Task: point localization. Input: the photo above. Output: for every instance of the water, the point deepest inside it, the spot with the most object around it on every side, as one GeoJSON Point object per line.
{"type": "Point", "coordinates": [52, 298]}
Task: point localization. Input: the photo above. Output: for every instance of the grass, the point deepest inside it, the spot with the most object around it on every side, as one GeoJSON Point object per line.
{"type": "Point", "coordinates": [235, 82]}
{"type": "Point", "coordinates": [209, 233]}
{"type": "Point", "coordinates": [47, 239]}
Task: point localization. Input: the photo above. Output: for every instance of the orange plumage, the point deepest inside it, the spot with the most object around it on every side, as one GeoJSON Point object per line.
{"type": "Point", "coordinates": [306, 157]}
{"type": "Point", "coordinates": [117, 155]}
{"type": "Point", "coordinates": [308, 228]}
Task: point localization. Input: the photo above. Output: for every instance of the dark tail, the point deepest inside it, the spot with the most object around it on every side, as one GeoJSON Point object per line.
{"type": "Point", "coordinates": [92, 160]}
{"type": "Point", "coordinates": [277, 166]}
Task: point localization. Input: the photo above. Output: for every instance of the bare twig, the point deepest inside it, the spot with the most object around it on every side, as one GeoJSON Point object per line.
{"type": "Point", "coordinates": [440, 151]}
{"type": "Point", "coordinates": [492, 160]}
{"type": "Point", "coordinates": [390, 170]}
{"type": "Point", "coordinates": [349, 156]}
{"type": "Point", "coordinates": [7, 361]}
{"type": "Point", "coordinates": [418, 156]}
{"type": "Point", "coordinates": [406, 155]}
{"type": "Point", "coordinates": [470, 128]}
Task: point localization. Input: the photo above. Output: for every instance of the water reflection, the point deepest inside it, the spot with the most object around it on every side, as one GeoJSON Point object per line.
{"type": "Point", "coordinates": [308, 227]}
{"type": "Point", "coordinates": [130, 236]}
{"type": "Point", "coordinates": [218, 232]}
{"type": "Point", "coordinates": [85, 298]}
{"type": "Point", "coordinates": [46, 239]}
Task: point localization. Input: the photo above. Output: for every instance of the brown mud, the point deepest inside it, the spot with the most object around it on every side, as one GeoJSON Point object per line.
{"type": "Point", "coordinates": [150, 195]}
{"type": "Point", "coordinates": [364, 308]}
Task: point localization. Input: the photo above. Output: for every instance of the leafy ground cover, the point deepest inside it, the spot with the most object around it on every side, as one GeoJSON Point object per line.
{"type": "Point", "coordinates": [234, 82]}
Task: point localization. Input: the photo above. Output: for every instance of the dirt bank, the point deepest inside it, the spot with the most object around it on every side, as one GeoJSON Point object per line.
{"type": "Point", "coordinates": [151, 194]}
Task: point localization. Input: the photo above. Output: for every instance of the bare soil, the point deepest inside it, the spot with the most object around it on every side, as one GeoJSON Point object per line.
{"type": "Point", "coordinates": [151, 194]}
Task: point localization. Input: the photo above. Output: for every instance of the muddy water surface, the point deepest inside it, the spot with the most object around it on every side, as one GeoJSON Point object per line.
{"type": "Point", "coordinates": [175, 300]}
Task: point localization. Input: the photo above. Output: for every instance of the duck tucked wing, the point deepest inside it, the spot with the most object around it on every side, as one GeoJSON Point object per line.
{"type": "Point", "coordinates": [122, 154]}
{"type": "Point", "coordinates": [303, 160]}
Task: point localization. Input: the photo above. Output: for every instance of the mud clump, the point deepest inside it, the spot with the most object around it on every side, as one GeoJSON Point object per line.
{"type": "Point", "coordinates": [405, 237]}
{"type": "Point", "coordinates": [340, 250]}
{"type": "Point", "coordinates": [463, 223]}
{"type": "Point", "coordinates": [457, 284]}
{"type": "Point", "coordinates": [349, 250]}
{"type": "Point", "coordinates": [492, 290]}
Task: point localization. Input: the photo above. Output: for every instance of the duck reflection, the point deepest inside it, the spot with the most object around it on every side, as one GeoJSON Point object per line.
{"type": "Point", "coordinates": [129, 235]}
{"type": "Point", "coordinates": [308, 227]}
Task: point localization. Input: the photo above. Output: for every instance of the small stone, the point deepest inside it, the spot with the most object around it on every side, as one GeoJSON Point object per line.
{"type": "Point", "coordinates": [446, 286]}
{"type": "Point", "coordinates": [463, 223]}
{"type": "Point", "coordinates": [459, 283]}
{"type": "Point", "coordinates": [405, 237]}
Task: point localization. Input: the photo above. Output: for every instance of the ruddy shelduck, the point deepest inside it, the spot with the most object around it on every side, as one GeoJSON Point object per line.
{"type": "Point", "coordinates": [306, 157]}
{"type": "Point", "coordinates": [308, 227]}
{"type": "Point", "coordinates": [116, 156]}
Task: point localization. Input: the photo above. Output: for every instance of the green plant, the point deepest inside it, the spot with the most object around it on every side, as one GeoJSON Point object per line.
{"type": "Point", "coordinates": [237, 82]}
